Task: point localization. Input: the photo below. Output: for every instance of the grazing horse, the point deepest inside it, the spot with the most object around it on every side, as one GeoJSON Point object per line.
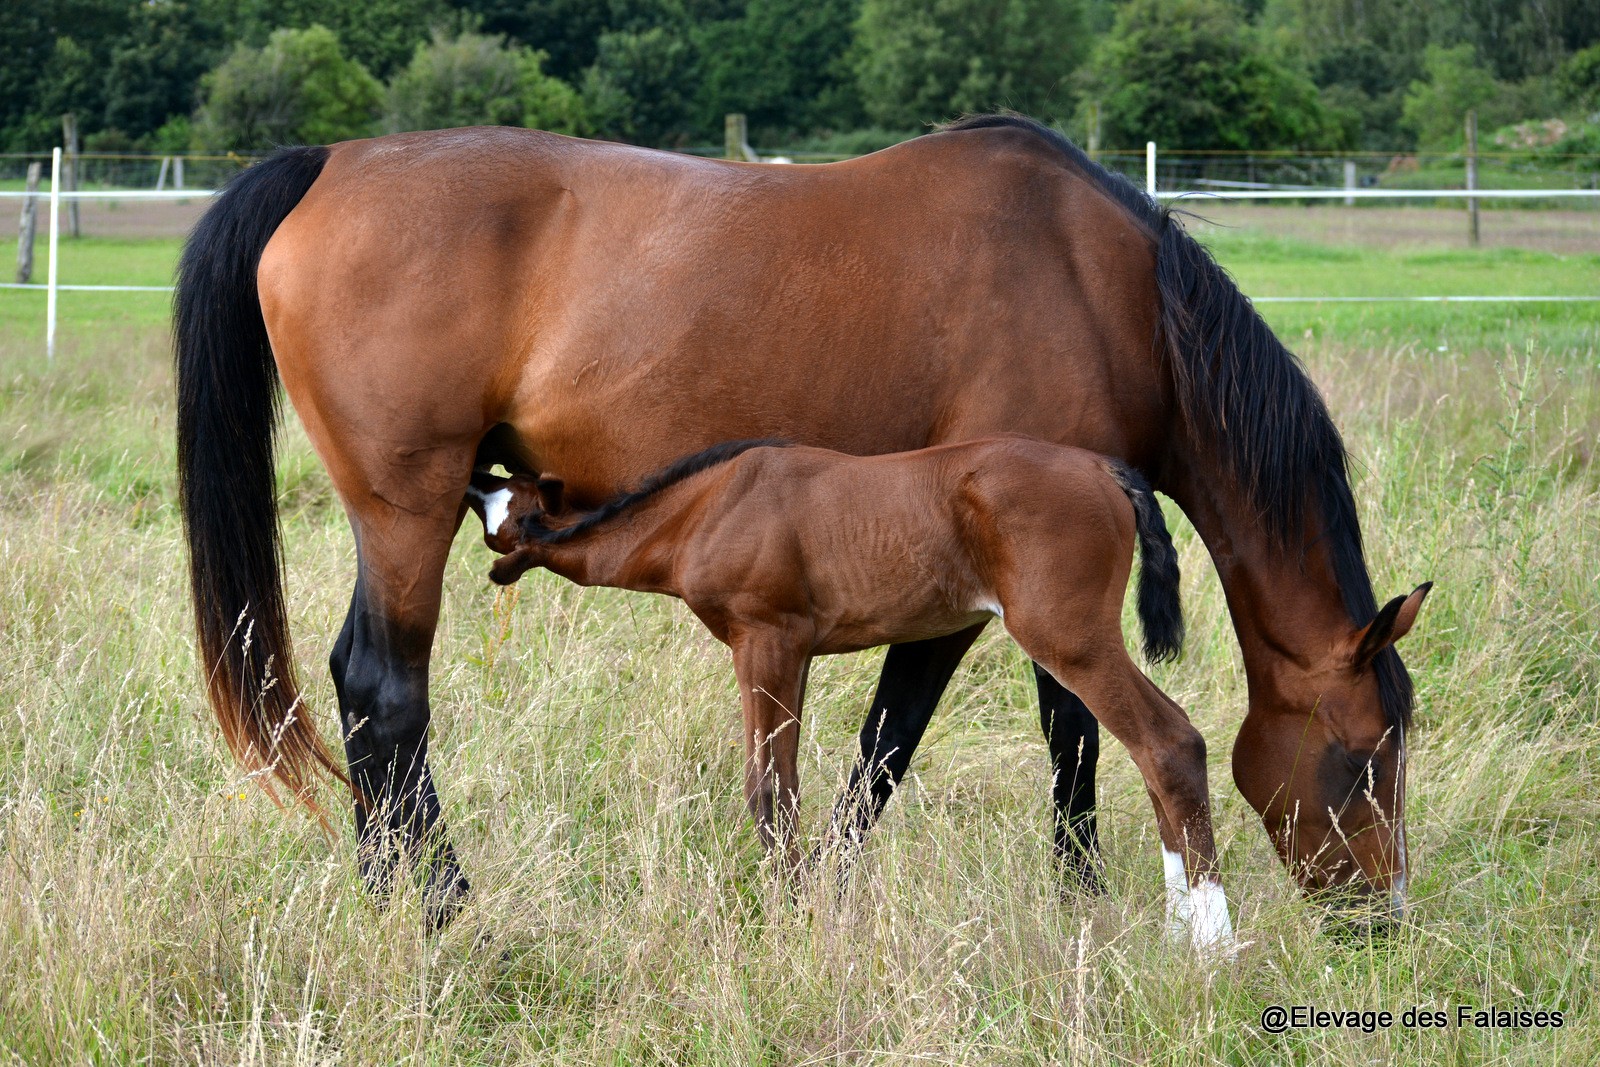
{"type": "Point", "coordinates": [435, 303]}
{"type": "Point", "coordinates": [790, 553]}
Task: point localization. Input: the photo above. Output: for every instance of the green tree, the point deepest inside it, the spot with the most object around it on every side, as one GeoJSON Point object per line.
{"type": "Point", "coordinates": [379, 34]}
{"type": "Point", "coordinates": [920, 61]}
{"type": "Point", "coordinates": [299, 89]}
{"type": "Point", "coordinates": [1194, 74]}
{"type": "Point", "coordinates": [153, 70]}
{"type": "Point", "coordinates": [473, 79]}
{"type": "Point", "coordinates": [783, 63]}
{"type": "Point", "coordinates": [638, 87]}
{"type": "Point", "coordinates": [1579, 78]}
{"type": "Point", "coordinates": [1454, 82]}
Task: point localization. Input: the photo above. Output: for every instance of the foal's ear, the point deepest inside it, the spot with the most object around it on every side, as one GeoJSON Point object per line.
{"type": "Point", "coordinates": [513, 565]}
{"type": "Point", "coordinates": [1393, 621]}
{"type": "Point", "coordinates": [550, 494]}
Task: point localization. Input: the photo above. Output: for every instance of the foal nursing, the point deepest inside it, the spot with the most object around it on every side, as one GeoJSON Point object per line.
{"type": "Point", "coordinates": [786, 553]}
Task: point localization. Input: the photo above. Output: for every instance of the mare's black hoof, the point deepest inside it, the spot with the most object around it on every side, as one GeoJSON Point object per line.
{"type": "Point", "coordinates": [444, 896]}
{"type": "Point", "coordinates": [1079, 875]}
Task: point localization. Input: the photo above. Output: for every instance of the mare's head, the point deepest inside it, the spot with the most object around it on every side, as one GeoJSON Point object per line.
{"type": "Point", "coordinates": [506, 506]}
{"type": "Point", "coordinates": [1323, 763]}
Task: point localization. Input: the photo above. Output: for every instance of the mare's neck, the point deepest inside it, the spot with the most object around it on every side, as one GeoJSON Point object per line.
{"type": "Point", "coordinates": [1288, 611]}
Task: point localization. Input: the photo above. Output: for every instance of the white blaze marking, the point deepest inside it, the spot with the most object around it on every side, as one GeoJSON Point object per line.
{"type": "Point", "coordinates": [1397, 892]}
{"type": "Point", "coordinates": [496, 506]}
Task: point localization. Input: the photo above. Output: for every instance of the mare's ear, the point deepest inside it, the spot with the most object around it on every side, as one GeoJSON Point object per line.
{"type": "Point", "coordinates": [511, 566]}
{"type": "Point", "coordinates": [1393, 621]}
{"type": "Point", "coordinates": [550, 494]}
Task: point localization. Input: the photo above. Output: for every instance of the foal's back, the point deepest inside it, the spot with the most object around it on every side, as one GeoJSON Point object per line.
{"type": "Point", "coordinates": [883, 549]}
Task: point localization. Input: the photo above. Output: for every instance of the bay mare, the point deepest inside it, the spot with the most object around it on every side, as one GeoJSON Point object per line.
{"type": "Point", "coordinates": [439, 302]}
{"type": "Point", "coordinates": [790, 553]}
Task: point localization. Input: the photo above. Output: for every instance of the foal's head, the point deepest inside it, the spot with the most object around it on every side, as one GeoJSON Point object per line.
{"type": "Point", "coordinates": [507, 506]}
{"type": "Point", "coordinates": [1324, 766]}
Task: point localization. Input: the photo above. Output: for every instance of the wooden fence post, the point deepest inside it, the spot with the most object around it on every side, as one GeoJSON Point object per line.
{"type": "Point", "coordinates": [736, 139]}
{"type": "Point", "coordinates": [1094, 130]}
{"type": "Point", "coordinates": [26, 227]}
{"type": "Point", "coordinates": [1472, 177]}
{"type": "Point", "coordinates": [1349, 181]}
{"type": "Point", "coordinates": [69, 177]}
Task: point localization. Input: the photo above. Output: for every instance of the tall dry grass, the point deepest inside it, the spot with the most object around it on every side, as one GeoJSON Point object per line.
{"type": "Point", "coordinates": [155, 908]}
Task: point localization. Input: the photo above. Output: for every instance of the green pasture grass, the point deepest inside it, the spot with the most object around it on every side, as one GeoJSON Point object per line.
{"type": "Point", "coordinates": [90, 317]}
{"type": "Point", "coordinates": [1264, 264]}
{"type": "Point", "coordinates": [154, 907]}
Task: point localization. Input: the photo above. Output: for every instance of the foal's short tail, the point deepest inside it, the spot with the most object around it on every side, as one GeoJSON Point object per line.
{"type": "Point", "coordinates": [227, 413]}
{"type": "Point", "coordinates": [1160, 611]}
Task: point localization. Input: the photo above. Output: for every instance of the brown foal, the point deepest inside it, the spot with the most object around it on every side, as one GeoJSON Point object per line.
{"type": "Point", "coordinates": [786, 553]}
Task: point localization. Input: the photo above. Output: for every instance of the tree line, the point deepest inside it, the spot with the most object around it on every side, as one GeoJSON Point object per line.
{"type": "Point", "coordinates": [847, 75]}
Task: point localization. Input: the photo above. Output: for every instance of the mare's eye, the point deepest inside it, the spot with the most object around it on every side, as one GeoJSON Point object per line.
{"type": "Point", "coordinates": [1361, 763]}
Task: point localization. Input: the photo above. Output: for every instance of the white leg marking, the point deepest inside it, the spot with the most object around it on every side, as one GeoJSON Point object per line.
{"type": "Point", "coordinates": [1178, 903]}
{"type": "Point", "coordinates": [1211, 928]}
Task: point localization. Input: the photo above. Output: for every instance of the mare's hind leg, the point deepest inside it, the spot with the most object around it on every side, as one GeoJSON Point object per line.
{"type": "Point", "coordinates": [1074, 737]}
{"type": "Point", "coordinates": [380, 670]}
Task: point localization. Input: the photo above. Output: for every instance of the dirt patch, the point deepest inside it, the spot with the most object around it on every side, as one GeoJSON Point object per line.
{"type": "Point", "coordinates": [1562, 231]}
{"type": "Point", "coordinates": [133, 218]}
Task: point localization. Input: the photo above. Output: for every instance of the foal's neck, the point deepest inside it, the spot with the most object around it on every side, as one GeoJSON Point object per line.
{"type": "Point", "coordinates": [637, 548]}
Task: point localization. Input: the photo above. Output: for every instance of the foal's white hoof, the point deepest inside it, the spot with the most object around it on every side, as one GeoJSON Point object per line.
{"type": "Point", "coordinates": [1201, 913]}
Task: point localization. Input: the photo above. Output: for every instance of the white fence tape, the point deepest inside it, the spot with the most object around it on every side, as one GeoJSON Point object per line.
{"type": "Point", "coordinates": [52, 287]}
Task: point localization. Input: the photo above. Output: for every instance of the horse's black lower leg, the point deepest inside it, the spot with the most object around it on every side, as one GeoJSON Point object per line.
{"type": "Point", "coordinates": [381, 675]}
{"type": "Point", "coordinates": [1074, 737]}
{"type": "Point", "coordinates": [913, 679]}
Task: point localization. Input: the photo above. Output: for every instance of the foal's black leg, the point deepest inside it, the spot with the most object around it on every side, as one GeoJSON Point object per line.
{"type": "Point", "coordinates": [913, 679]}
{"type": "Point", "coordinates": [1074, 737]}
{"type": "Point", "coordinates": [380, 673]}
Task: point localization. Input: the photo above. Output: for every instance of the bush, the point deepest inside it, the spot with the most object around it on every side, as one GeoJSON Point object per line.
{"type": "Point", "coordinates": [1579, 79]}
{"type": "Point", "coordinates": [637, 89]}
{"type": "Point", "coordinates": [919, 62]}
{"type": "Point", "coordinates": [1455, 82]}
{"type": "Point", "coordinates": [473, 79]}
{"type": "Point", "coordinates": [1193, 74]}
{"type": "Point", "coordinates": [299, 89]}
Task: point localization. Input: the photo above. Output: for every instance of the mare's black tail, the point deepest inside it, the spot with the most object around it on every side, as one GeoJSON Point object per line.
{"type": "Point", "coordinates": [1160, 609]}
{"type": "Point", "coordinates": [227, 412]}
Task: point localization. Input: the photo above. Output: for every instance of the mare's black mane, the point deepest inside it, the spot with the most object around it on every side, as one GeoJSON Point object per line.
{"type": "Point", "coordinates": [1246, 399]}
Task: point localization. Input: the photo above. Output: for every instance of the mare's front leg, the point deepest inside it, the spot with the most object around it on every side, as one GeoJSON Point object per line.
{"type": "Point", "coordinates": [380, 671]}
{"type": "Point", "coordinates": [914, 677]}
{"type": "Point", "coordinates": [1074, 737]}
{"type": "Point", "coordinates": [771, 664]}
